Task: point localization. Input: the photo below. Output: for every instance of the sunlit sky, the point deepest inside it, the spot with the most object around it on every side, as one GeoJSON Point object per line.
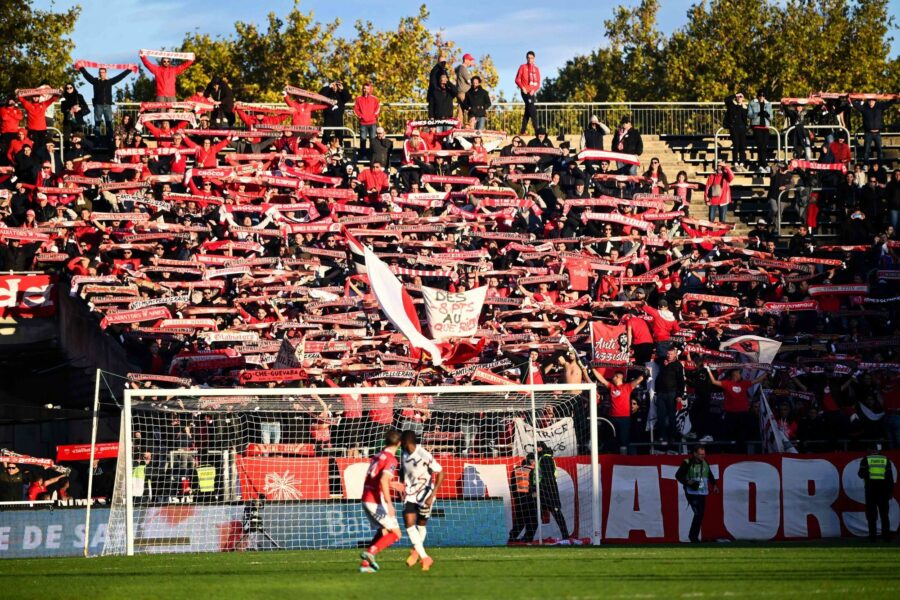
{"type": "Point", "coordinates": [113, 31]}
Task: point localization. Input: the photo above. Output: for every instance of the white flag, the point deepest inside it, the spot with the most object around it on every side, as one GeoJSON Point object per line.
{"type": "Point", "coordinates": [397, 306]}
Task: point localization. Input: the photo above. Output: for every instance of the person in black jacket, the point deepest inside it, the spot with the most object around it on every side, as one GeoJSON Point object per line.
{"type": "Point", "coordinates": [670, 388]}
{"type": "Point", "coordinates": [381, 148]}
{"type": "Point", "coordinates": [541, 140]}
{"type": "Point", "coordinates": [103, 97]}
{"type": "Point", "coordinates": [802, 243]}
{"type": "Point", "coordinates": [334, 116]}
{"type": "Point", "coordinates": [219, 91]}
{"type": "Point", "coordinates": [627, 140]}
{"type": "Point", "coordinates": [74, 109]}
{"type": "Point", "coordinates": [592, 137]}
{"type": "Point", "coordinates": [873, 122]}
{"type": "Point", "coordinates": [434, 81]}
{"type": "Point", "coordinates": [477, 102]}
{"type": "Point", "coordinates": [697, 478]}
{"type": "Point", "coordinates": [440, 105]}
{"type": "Point", "coordinates": [543, 481]}
{"type": "Point", "coordinates": [877, 472]}
{"type": "Point", "coordinates": [735, 122]}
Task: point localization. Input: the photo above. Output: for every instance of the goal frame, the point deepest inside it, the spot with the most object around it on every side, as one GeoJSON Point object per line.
{"type": "Point", "coordinates": [130, 395]}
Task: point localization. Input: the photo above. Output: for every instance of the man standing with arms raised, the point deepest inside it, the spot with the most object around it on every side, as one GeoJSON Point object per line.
{"type": "Point", "coordinates": [528, 80]}
{"type": "Point", "coordinates": [165, 75]}
{"type": "Point", "coordinates": [103, 97]}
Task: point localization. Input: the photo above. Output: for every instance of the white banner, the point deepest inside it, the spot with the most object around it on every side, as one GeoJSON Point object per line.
{"type": "Point", "coordinates": [559, 437]}
{"type": "Point", "coordinates": [453, 314]}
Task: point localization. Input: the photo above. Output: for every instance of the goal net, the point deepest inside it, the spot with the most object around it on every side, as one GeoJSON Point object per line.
{"type": "Point", "coordinates": [254, 469]}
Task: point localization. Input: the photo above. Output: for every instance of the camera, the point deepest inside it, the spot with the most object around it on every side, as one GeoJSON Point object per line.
{"type": "Point", "coordinates": [252, 521]}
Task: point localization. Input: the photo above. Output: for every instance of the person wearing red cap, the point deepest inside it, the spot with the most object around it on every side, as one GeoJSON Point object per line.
{"type": "Point", "coordinates": [463, 83]}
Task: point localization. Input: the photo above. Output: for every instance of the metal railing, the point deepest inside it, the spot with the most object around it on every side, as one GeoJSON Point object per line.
{"type": "Point", "coordinates": [571, 118]}
{"type": "Point", "coordinates": [771, 129]}
{"type": "Point", "coordinates": [780, 208]}
{"type": "Point", "coordinates": [859, 138]}
{"type": "Point", "coordinates": [651, 118]}
{"type": "Point", "coordinates": [787, 134]}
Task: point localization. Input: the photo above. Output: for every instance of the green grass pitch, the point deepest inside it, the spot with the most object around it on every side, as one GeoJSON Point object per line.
{"type": "Point", "coordinates": [698, 571]}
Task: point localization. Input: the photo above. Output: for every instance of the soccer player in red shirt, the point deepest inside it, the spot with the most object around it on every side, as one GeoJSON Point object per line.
{"type": "Point", "coordinates": [377, 503]}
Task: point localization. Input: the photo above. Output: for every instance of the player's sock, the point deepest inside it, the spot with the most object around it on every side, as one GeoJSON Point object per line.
{"type": "Point", "coordinates": [416, 539]}
{"type": "Point", "coordinates": [384, 542]}
{"type": "Point", "coordinates": [422, 532]}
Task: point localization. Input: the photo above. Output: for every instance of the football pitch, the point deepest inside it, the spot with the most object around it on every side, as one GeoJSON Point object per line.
{"type": "Point", "coordinates": [697, 571]}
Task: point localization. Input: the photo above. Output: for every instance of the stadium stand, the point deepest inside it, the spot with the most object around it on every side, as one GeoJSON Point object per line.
{"type": "Point", "coordinates": [210, 238]}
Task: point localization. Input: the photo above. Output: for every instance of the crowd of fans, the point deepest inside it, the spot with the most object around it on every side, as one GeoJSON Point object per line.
{"type": "Point", "coordinates": [206, 231]}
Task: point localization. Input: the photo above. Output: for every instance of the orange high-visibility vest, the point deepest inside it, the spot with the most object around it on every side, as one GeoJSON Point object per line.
{"type": "Point", "coordinates": [521, 476]}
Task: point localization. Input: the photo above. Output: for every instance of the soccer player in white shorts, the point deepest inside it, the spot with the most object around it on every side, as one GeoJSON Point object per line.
{"type": "Point", "coordinates": [377, 502]}
{"type": "Point", "coordinates": [422, 476]}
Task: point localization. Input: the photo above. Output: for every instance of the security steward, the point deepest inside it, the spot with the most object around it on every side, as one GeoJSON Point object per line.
{"type": "Point", "coordinates": [875, 469]}
{"type": "Point", "coordinates": [697, 479]}
{"type": "Point", "coordinates": [543, 482]}
{"type": "Point", "coordinates": [522, 503]}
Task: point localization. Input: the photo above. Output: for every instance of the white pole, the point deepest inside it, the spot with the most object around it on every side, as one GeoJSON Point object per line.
{"type": "Point", "coordinates": [537, 460]}
{"type": "Point", "coordinates": [90, 488]}
{"type": "Point", "coordinates": [226, 477]}
{"type": "Point", "coordinates": [597, 533]}
{"type": "Point", "coordinates": [129, 481]}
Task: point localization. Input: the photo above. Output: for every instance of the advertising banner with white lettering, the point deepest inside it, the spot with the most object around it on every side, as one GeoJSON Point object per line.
{"type": "Point", "coordinates": [559, 437]}
{"type": "Point", "coordinates": [763, 497]}
{"type": "Point", "coordinates": [453, 314]}
{"type": "Point", "coordinates": [50, 533]}
{"type": "Point", "coordinates": [27, 296]}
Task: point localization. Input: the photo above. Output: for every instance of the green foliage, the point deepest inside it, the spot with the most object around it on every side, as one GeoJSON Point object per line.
{"type": "Point", "coordinates": [142, 89]}
{"type": "Point", "coordinates": [298, 50]}
{"type": "Point", "coordinates": [789, 48]}
{"type": "Point", "coordinates": [36, 47]}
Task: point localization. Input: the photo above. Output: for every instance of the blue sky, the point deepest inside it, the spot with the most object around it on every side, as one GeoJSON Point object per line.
{"type": "Point", "coordinates": [113, 31]}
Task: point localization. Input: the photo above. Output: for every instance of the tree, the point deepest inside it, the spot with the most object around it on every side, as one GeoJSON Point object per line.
{"type": "Point", "coordinates": [37, 48]}
{"type": "Point", "coordinates": [788, 48]}
{"type": "Point", "coordinates": [626, 70]}
{"type": "Point", "coordinates": [298, 50]}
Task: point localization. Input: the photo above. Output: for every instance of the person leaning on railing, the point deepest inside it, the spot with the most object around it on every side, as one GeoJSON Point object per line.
{"type": "Point", "coordinates": [12, 483]}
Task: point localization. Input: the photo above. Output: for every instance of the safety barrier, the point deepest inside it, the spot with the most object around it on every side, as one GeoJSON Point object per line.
{"type": "Point", "coordinates": [650, 118]}
{"type": "Point", "coordinates": [787, 134]}
{"type": "Point", "coordinates": [718, 135]}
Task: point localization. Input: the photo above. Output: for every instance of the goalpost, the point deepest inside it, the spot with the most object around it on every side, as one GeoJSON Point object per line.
{"type": "Point", "coordinates": [266, 468]}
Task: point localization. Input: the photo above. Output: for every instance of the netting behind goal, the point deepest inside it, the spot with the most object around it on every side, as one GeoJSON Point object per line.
{"type": "Point", "coordinates": [207, 470]}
